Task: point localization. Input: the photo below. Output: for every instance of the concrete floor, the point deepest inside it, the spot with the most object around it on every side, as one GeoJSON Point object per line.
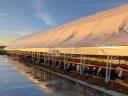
{"type": "Point", "coordinates": [14, 83]}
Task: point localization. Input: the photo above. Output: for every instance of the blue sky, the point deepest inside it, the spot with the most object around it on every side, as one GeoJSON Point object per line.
{"type": "Point", "coordinates": [19, 18]}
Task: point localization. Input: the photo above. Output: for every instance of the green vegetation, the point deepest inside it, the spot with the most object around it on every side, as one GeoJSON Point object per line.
{"type": "Point", "coordinates": [2, 51]}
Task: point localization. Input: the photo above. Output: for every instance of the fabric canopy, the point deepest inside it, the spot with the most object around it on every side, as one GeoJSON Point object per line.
{"type": "Point", "coordinates": [109, 27]}
{"type": "Point", "coordinates": [109, 50]}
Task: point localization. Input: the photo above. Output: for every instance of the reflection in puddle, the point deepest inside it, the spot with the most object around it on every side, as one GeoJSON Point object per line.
{"type": "Point", "coordinates": [13, 83]}
{"type": "Point", "coordinates": [60, 86]}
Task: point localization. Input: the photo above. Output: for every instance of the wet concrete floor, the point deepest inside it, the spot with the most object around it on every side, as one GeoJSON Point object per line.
{"type": "Point", "coordinates": [14, 83]}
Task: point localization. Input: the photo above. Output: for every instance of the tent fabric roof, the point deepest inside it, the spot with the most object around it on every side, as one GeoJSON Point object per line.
{"type": "Point", "coordinates": [102, 50]}
{"type": "Point", "coordinates": [109, 27]}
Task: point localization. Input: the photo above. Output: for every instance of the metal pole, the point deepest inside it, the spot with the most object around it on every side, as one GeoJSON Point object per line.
{"type": "Point", "coordinates": [108, 69]}
{"type": "Point", "coordinates": [64, 62]}
{"type": "Point", "coordinates": [81, 65]}
{"type": "Point", "coordinates": [44, 59]}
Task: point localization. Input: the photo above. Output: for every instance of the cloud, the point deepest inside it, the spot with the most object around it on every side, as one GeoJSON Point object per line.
{"type": "Point", "coordinates": [3, 14]}
{"type": "Point", "coordinates": [46, 18]}
{"type": "Point", "coordinates": [17, 32]}
{"type": "Point", "coordinates": [9, 35]}
{"type": "Point", "coordinates": [42, 14]}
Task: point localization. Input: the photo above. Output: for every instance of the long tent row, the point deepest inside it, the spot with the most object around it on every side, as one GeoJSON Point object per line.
{"type": "Point", "coordinates": [95, 45]}
{"type": "Point", "coordinates": [105, 28]}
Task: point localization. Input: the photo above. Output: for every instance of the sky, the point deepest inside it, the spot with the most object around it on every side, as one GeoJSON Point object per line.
{"type": "Point", "coordinates": [19, 18]}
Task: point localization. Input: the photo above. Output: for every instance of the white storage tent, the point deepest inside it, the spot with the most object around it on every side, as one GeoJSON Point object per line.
{"type": "Point", "coordinates": [107, 28]}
